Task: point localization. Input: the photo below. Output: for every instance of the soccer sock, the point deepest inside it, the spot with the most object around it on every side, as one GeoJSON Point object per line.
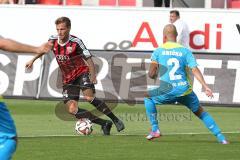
{"type": "Point", "coordinates": [102, 107]}
{"type": "Point", "coordinates": [82, 113]}
{"type": "Point", "coordinates": [212, 126]}
{"type": "Point", "coordinates": [151, 112]}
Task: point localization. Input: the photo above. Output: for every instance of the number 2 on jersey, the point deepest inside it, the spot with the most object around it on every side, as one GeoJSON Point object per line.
{"type": "Point", "coordinates": [175, 63]}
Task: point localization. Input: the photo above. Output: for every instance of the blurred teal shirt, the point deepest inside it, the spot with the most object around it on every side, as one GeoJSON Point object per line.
{"type": "Point", "coordinates": [7, 126]}
{"type": "Point", "coordinates": [175, 60]}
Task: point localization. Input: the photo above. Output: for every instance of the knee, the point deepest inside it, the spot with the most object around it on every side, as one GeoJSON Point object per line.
{"type": "Point", "coordinates": [72, 107]}
{"type": "Point", "coordinates": [199, 112]}
{"type": "Point", "coordinates": [148, 102]}
{"type": "Point", "coordinates": [88, 98]}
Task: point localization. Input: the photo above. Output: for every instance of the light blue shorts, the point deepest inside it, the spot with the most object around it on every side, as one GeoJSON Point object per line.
{"type": "Point", "coordinates": [7, 148]}
{"type": "Point", "coordinates": [190, 101]}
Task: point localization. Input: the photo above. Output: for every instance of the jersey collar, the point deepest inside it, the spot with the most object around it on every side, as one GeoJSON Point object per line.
{"type": "Point", "coordinates": [63, 44]}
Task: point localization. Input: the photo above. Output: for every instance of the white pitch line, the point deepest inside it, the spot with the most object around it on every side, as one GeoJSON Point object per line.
{"type": "Point", "coordinates": [123, 134]}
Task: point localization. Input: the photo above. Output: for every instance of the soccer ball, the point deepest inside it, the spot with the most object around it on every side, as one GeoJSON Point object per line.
{"type": "Point", "coordinates": [84, 126]}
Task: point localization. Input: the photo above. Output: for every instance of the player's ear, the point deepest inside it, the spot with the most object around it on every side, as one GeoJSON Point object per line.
{"type": "Point", "coordinates": [164, 39]}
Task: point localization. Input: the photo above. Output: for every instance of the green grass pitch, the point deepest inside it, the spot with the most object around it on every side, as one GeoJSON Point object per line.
{"type": "Point", "coordinates": [43, 136]}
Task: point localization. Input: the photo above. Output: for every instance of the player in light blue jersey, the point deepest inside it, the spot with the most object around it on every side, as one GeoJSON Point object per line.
{"type": "Point", "coordinates": [173, 62]}
{"type": "Point", "coordinates": [8, 134]}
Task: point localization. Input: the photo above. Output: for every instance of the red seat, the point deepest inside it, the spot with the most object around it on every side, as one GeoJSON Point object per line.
{"type": "Point", "coordinates": [127, 2]}
{"type": "Point", "coordinates": [50, 2]}
{"type": "Point", "coordinates": [73, 2]}
{"type": "Point", "coordinates": [234, 4]}
{"type": "Point", "coordinates": [107, 2]}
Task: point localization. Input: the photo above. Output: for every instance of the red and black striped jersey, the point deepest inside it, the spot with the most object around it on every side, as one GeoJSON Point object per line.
{"type": "Point", "coordinates": [71, 57]}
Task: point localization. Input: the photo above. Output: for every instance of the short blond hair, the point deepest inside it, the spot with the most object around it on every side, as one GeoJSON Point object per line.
{"type": "Point", "coordinates": [65, 20]}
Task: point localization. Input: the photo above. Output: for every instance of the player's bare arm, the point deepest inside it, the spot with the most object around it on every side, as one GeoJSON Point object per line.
{"type": "Point", "coordinates": [47, 46]}
{"type": "Point", "coordinates": [196, 72]}
{"type": "Point", "coordinates": [29, 64]}
{"type": "Point", "coordinates": [92, 70]}
{"type": "Point", "coordinates": [153, 70]}
{"type": "Point", "coordinates": [14, 46]}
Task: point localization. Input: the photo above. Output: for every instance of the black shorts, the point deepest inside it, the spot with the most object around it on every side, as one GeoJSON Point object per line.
{"type": "Point", "coordinates": [71, 90]}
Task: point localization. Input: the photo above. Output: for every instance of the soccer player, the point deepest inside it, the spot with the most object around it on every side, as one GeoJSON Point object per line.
{"type": "Point", "coordinates": [176, 60]}
{"type": "Point", "coordinates": [8, 134]}
{"type": "Point", "coordinates": [181, 26]}
{"type": "Point", "coordinates": [78, 73]}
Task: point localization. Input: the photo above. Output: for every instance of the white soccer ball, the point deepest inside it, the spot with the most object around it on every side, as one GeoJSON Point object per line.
{"type": "Point", "coordinates": [84, 126]}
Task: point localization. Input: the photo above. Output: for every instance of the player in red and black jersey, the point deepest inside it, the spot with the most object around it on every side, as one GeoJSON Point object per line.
{"type": "Point", "coordinates": [78, 72]}
{"type": "Point", "coordinates": [71, 57]}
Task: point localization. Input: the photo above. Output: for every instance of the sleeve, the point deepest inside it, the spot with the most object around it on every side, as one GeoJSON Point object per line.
{"type": "Point", "coordinates": [52, 38]}
{"type": "Point", "coordinates": [154, 57]}
{"type": "Point", "coordinates": [191, 61]}
{"type": "Point", "coordinates": [85, 51]}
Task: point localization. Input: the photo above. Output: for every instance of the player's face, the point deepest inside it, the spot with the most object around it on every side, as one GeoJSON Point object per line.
{"type": "Point", "coordinates": [173, 17]}
{"type": "Point", "coordinates": [63, 32]}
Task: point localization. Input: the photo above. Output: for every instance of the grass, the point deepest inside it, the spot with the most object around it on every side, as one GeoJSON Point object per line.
{"type": "Point", "coordinates": [127, 147]}
{"type": "Point", "coordinates": [44, 136]}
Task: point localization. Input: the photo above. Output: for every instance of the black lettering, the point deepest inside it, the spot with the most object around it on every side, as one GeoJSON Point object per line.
{"type": "Point", "coordinates": [238, 28]}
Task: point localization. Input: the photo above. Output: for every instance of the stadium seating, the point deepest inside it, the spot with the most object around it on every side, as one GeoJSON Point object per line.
{"type": "Point", "coordinates": [82, 2]}
{"type": "Point", "coordinates": [50, 2]}
{"type": "Point", "coordinates": [73, 2]}
{"type": "Point", "coordinates": [127, 2]}
{"type": "Point", "coordinates": [234, 4]}
{"type": "Point", "coordinates": [117, 2]}
{"type": "Point", "coordinates": [107, 2]}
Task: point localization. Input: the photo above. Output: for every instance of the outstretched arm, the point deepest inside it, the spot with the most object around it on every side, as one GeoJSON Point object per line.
{"type": "Point", "coordinates": [30, 63]}
{"type": "Point", "coordinates": [14, 46]}
{"type": "Point", "coordinates": [92, 71]}
{"type": "Point", "coordinates": [196, 72]}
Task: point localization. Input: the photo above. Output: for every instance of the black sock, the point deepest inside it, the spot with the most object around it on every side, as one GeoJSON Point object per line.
{"type": "Point", "coordinates": [82, 113]}
{"type": "Point", "coordinates": [102, 107]}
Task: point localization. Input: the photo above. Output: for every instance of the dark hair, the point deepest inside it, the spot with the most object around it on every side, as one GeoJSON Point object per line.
{"type": "Point", "coordinates": [175, 12]}
{"type": "Point", "coordinates": [65, 20]}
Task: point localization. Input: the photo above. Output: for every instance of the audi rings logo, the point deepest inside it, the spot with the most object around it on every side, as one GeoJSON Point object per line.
{"type": "Point", "coordinates": [62, 58]}
{"type": "Point", "coordinates": [123, 45]}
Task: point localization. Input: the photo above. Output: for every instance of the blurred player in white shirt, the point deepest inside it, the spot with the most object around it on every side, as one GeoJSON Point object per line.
{"type": "Point", "coordinates": [182, 28]}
